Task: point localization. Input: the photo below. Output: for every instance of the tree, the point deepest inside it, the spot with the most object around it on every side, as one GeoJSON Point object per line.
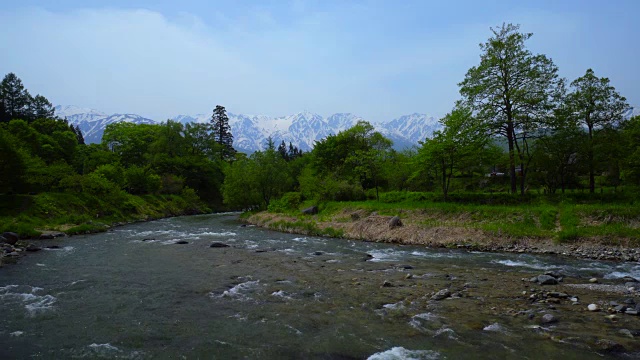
{"type": "Point", "coordinates": [512, 91]}
{"type": "Point", "coordinates": [41, 108]}
{"type": "Point", "coordinates": [595, 104]}
{"type": "Point", "coordinates": [631, 137]}
{"type": "Point", "coordinates": [557, 158]}
{"type": "Point", "coordinates": [222, 132]}
{"type": "Point", "coordinates": [15, 98]}
{"type": "Point", "coordinates": [456, 146]}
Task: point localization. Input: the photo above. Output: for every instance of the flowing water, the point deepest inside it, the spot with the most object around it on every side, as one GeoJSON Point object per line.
{"type": "Point", "coordinates": [133, 293]}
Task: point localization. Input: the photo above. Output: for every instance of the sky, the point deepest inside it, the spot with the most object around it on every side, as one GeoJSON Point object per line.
{"type": "Point", "coordinates": [376, 59]}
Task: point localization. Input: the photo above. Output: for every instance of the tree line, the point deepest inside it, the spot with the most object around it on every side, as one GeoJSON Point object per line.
{"type": "Point", "coordinates": [518, 127]}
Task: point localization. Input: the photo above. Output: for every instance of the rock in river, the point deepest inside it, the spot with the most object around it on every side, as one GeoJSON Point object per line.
{"type": "Point", "coordinates": [442, 294]}
{"type": "Point", "coordinates": [547, 280]}
{"type": "Point", "coordinates": [181, 242]}
{"type": "Point", "coordinates": [549, 319]}
{"type": "Point", "coordinates": [218, 245]}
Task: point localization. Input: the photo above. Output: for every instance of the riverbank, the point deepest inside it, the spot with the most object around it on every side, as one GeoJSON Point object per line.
{"type": "Point", "coordinates": [49, 215]}
{"type": "Point", "coordinates": [493, 229]}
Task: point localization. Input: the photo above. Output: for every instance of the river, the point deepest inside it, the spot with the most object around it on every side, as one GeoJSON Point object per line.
{"type": "Point", "coordinates": [133, 293]}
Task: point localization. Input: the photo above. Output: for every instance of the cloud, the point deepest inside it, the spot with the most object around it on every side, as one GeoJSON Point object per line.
{"type": "Point", "coordinates": [378, 62]}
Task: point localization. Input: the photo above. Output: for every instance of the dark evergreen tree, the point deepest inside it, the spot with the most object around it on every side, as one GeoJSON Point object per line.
{"type": "Point", "coordinates": [222, 132]}
{"type": "Point", "coordinates": [15, 98]}
{"type": "Point", "coordinates": [282, 150]}
{"type": "Point", "coordinates": [269, 143]}
{"type": "Point", "coordinates": [76, 130]}
{"type": "Point", "coordinates": [41, 108]}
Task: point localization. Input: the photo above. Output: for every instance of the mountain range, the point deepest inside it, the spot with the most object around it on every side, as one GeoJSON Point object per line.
{"type": "Point", "coordinates": [251, 131]}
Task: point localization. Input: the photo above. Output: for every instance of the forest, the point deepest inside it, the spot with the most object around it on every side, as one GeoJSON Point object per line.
{"type": "Point", "coordinates": [519, 131]}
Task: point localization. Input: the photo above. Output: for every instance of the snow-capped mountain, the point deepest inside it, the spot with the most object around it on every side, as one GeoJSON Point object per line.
{"type": "Point", "coordinates": [93, 122]}
{"type": "Point", "coordinates": [251, 131]}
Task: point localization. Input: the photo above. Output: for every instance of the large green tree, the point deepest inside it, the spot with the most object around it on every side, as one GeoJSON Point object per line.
{"type": "Point", "coordinates": [595, 104]}
{"type": "Point", "coordinates": [512, 91]}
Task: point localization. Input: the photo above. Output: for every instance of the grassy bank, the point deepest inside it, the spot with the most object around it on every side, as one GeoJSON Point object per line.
{"type": "Point", "coordinates": [483, 221]}
{"type": "Point", "coordinates": [73, 213]}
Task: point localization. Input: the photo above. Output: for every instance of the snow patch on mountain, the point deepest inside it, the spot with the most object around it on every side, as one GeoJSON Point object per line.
{"type": "Point", "coordinates": [250, 132]}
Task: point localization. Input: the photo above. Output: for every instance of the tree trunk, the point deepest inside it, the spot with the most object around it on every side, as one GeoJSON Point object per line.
{"type": "Point", "coordinates": [444, 180]}
{"type": "Point", "coordinates": [512, 160]}
{"type": "Point", "coordinates": [592, 179]}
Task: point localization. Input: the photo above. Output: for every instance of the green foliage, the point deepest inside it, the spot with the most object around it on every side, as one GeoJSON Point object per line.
{"type": "Point", "coordinates": [288, 202]}
{"type": "Point", "coordinates": [512, 91]}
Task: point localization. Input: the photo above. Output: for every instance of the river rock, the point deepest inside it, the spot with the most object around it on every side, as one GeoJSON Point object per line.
{"type": "Point", "coordinates": [593, 307]}
{"type": "Point", "coordinates": [559, 295]}
{"type": "Point", "coordinates": [395, 222]}
{"type": "Point", "coordinates": [609, 345]}
{"type": "Point", "coordinates": [441, 295]}
{"type": "Point", "coordinates": [10, 237]}
{"type": "Point", "coordinates": [46, 237]}
{"type": "Point", "coordinates": [548, 319]}
{"type": "Point", "coordinates": [181, 242]}
{"type": "Point", "coordinates": [631, 311]}
{"type": "Point", "coordinates": [547, 280]}
{"type": "Point", "coordinates": [218, 245]}
{"type": "Point", "coordinates": [593, 280]}
{"type": "Point", "coordinates": [32, 248]}
{"type": "Point", "coordinates": [387, 283]}
{"type": "Point", "coordinates": [310, 210]}
{"type": "Point", "coordinates": [620, 308]}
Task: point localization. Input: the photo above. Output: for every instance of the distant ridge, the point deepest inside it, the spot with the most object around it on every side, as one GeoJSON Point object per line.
{"type": "Point", "coordinates": [251, 131]}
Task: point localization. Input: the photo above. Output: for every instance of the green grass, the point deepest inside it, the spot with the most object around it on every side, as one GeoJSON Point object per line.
{"type": "Point", "coordinates": [80, 213]}
{"type": "Point", "coordinates": [609, 217]}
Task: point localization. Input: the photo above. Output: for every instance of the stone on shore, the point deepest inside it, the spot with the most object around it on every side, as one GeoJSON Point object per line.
{"type": "Point", "coordinates": [310, 210]}
{"type": "Point", "coordinates": [593, 307]}
{"type": "Point", "coordinates": [10, 237]}
{"type": "Point", "coordinates": [395, 222]}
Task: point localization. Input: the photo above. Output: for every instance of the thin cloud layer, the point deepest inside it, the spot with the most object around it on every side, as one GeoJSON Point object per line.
{"type": "Point", "coordinates": [342, 58]}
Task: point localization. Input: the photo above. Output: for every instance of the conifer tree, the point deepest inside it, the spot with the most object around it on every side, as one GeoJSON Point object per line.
{"type": "Point", "coordinates": [221, 132]}
{"type": "Point", "coordinates": [14, 97]}
{"type": "Point", "coordinates": [41, 108]}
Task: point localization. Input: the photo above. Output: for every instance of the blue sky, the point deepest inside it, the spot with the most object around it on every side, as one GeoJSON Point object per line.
{"type": "Point", "coordinates": [377, 59]}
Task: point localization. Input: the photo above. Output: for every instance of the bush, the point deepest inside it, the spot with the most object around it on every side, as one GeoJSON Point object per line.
{"type": "Point", "coordinates": [288, 201]}
{"type": "Point", "coordinates": [171, 184]}
{"type": "Point", "coordinates": [138, 181]}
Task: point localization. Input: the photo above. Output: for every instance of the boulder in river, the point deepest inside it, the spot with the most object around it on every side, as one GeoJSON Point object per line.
{"type": "Point", "coordinates": [547, 280]}
{"type": "Point", "coordinates": [549, 319]}
{"type": "Point", "coordinates": [218, 245]}
{"type": "Point", "coordinates": [609, 345]}
{"type": "Point", "coordinates": [310, 210]}
{"type": "Point", "coordinates": [181, 242]}
{"type": "Point", "coordinates": [395, 222]}
{"type": "Point", "coordinates": [46, 237]}
{"type": "Point", "coordinates": [441, 295]}
{"type": "Point", "coordinates": [32, 248]}
{"type": "Point", "coordinates": [10, 237]}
